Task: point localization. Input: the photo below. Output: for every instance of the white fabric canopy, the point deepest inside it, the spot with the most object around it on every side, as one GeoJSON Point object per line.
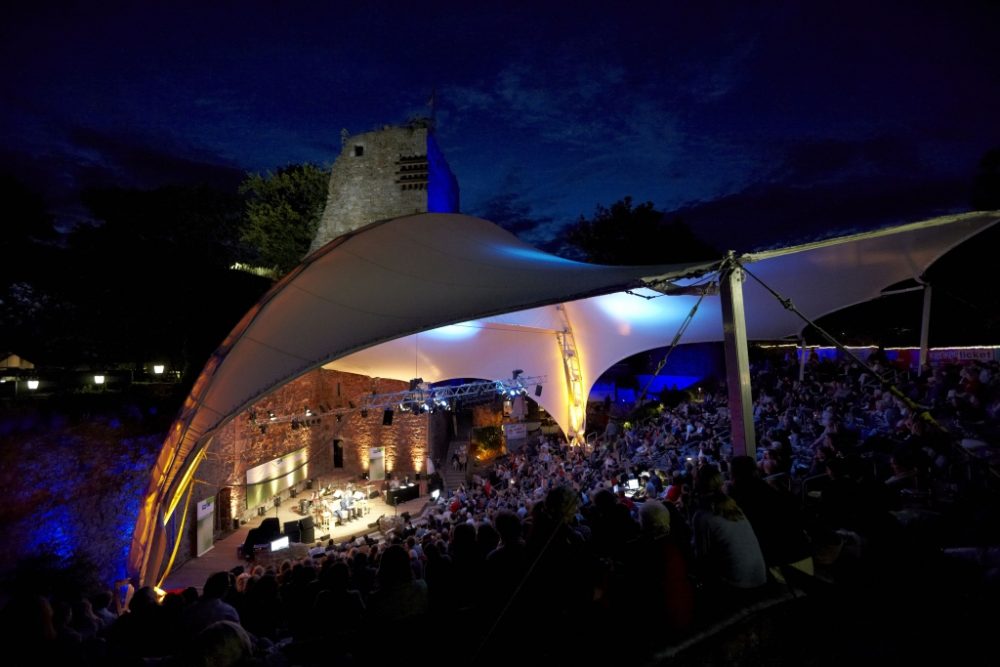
{"type": "Point", "coordinates": [819, 278]}
{"type": "Point", "coordinates": [442, 296]}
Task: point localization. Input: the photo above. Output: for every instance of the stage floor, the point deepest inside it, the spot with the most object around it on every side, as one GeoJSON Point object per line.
{"type": "Point", "coordinates": [224, 554]}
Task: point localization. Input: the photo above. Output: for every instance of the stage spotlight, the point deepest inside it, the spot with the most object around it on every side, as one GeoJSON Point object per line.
{"type": "Point", "coordinates": [516, 373]}
{"type": "Point", "coordinates": [271, 415]}
{"type": "Point", "coordinates": [538, 390]}
{"type": "Point", "coordinates": [415, 382]}
{"type": "Point", "coordinates": [308, 412]}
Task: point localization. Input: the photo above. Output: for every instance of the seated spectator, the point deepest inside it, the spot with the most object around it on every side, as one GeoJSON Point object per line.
{"type": "Point", "coordinates": [398, 597]}
{"type": "Point", "coordinates": [657, 592]}
{"type": "Point", "coordinates": [211, 607]}
{"type": "Point", "coordinates": [220, 644]}
{"type": "Point", "coordinates": [774, 515]}
{"type": "Point", "coordinates": [726, 548]}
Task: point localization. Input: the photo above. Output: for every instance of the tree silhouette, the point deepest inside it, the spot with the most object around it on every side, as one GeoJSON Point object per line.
{"type": "Point", "coordinates": [986, 184]}
{"type": "Point", "coordinates": [626, 234]}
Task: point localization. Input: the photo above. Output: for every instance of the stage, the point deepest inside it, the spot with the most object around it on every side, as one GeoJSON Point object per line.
{"type": "Point", "coordinates": [224, 554]}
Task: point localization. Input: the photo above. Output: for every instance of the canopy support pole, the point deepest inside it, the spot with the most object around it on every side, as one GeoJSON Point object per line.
{"type": "Point", "coordinates": [576, 410]}
{"type": "Point", "coordinates": [734, 330]}
{"type": "Point", "coordinates": [925, 329]}
{"type": "Point", "coordinates": [803, 351]}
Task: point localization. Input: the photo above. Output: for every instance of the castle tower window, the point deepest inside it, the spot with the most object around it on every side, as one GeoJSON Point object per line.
{"type": "Point", "coordinates": [359, 151]}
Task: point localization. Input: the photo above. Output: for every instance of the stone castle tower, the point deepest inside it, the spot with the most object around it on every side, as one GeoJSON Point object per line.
{"type": "Point", "coordinates": [395, 171]}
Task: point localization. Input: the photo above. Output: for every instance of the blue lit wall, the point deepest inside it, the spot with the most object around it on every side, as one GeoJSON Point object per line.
{"type": "Point", "coordinates": [77, 495]}
{"type": "Point", "coordinates": [442, 186]}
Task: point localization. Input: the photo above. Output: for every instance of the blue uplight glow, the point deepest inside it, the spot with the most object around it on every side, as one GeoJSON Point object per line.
{"type": "Point", "coordinates": [460, 331]}
{"type": "Point", "coordinates": [442, 186]}
{"type": "Point", "coordinates": [633, 308]}
{"type": "Point", "coordinates": [537, 256]}
{"type": "Point", "coordinates": [93, 485]}
{"type": "Point", "coordinates": [658, 383]}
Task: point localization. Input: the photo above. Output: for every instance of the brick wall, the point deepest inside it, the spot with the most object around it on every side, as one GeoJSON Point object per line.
{"type": "Point", "coordinates": [242, 444]}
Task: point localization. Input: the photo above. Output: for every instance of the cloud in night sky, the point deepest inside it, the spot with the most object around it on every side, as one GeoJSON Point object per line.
{"type": "Point", "coordinates": [698, 107]}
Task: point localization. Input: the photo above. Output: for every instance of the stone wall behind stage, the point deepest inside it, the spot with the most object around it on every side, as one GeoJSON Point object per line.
{"type": "Point", "coordinates": [241, 444]}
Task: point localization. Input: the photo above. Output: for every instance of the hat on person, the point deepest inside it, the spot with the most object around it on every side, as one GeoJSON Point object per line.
{"type": "Point", "coordinates": [673, 493]}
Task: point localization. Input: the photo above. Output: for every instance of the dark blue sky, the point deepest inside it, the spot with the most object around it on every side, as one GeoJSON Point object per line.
{"type": "Point", "coordinates": [760, 121]}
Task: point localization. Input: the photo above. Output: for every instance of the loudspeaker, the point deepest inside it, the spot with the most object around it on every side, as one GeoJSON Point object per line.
{"type": "Point", "coordinates": [291, 526]}
{"type": "Point", "coordinates": [307, 533]}
{"type": "Point", "coordinates": [387, 418]}
{"type": "Point", "coordinates": [271, 528]}
{"type": "Point", "coordinates": [305, 523]}
{"type": "Point", "coordinates": [293, 535]}
{"type": "Point", "coordinates": [538, 390]}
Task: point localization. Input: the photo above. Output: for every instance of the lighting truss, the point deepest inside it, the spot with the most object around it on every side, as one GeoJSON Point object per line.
{"type": "Point", "coordinates": [422, 398]}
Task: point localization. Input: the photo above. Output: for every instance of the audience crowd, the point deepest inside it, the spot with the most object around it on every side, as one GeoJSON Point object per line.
{"type": "Point", "coordinates": [639, 538]}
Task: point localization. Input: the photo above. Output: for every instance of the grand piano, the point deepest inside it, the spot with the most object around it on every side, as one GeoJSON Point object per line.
{"type": "Point", "coordinates": [268, 531]}
{"type": "Point", "coordinates": [402, 494]}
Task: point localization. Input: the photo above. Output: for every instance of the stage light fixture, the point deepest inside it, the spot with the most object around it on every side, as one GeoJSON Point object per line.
{"type": "Point", "coordinates": [271, 415]}
{"type": "Point", "coordinates": [387, 418]}
{"type": "Point", "coordinates": [415, 382]}
{"type": "Point", "coordinates": [516, 373]}
{"type": "Point", "coordinates": [538, 390]}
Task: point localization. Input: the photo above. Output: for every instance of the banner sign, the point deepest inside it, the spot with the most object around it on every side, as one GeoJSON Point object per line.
{"type": "Point", "coordinates": [515, 431]}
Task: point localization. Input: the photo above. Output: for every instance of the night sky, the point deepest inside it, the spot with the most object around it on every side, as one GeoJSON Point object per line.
{"type": "Point", "coordinates": [759, 122]}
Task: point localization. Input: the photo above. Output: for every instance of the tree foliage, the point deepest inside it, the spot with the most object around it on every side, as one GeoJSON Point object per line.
{"type": "Point", "coordinates": [283, 211]}
{"type": "Point", "coordinates": [986, 184]}
{"type": "Point", "coordinates": [635, 234]}
{"type": "Point", "coordinates": [148, 275]}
